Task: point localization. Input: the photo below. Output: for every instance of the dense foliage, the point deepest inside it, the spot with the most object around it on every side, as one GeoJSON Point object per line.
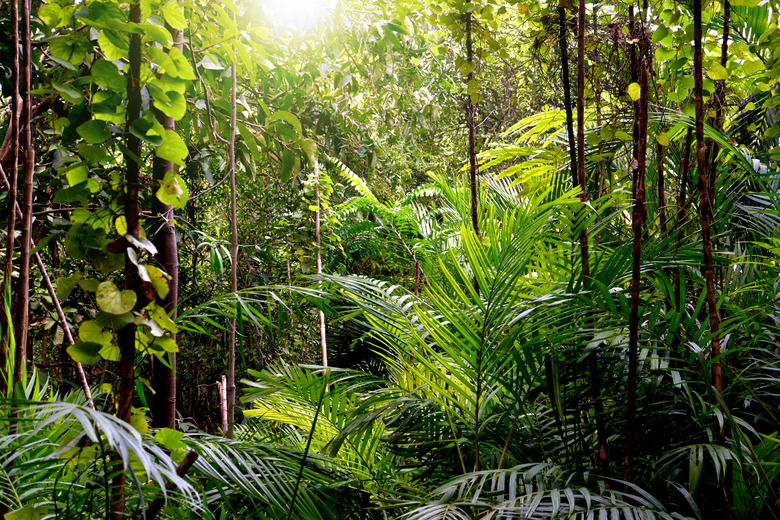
{"type": "Point", "coordinates": [442, 259]}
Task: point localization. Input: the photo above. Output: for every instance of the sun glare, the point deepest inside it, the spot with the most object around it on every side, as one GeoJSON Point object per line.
{"type": "Point", "coordinates": [297, 14]}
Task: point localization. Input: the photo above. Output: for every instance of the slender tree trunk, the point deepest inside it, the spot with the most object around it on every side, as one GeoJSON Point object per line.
{"type": "Point", "coordinates": [659, 165]}
{"type": "Point", "coordinates": [164, 381]}
{"type": "Point", "coordinates": [580, 165]}
{"type": "Point", "coordinates": [639, 166]}
{"type": "Point", "coordinates": [564, 49]}
{"type": "Point", "coordinates": [471, 110]}
{"type": "Point", "coordinates": [231, 382]}
{"type": "Point", "coordinates": [318, 240]}
{"type": "Point", "coordinates": [22, 293]}
{"type": "Point", "coordinates": [13, 129]}
{"type": "Point", "coordinates": [602, 453]}
{"type": "Point", "coordinates": [126, 335]}
{"type": "Point", "coordinates": [706, 197]}
{"type": "Point", "coordinates": [600, 170]}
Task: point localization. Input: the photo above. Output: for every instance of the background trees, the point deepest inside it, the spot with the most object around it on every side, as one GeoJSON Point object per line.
{"type": "Point", "coordinates": [523, 319]}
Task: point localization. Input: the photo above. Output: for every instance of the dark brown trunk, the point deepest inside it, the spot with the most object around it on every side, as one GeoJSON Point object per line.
{"type": "Point", "coordinates": [581, 141]}
{"type": "Point", "coordinates": [564, 49]}
{"type": "Point", "coordinates": [164, 381]}
{"type": "Point", "coordinates": [706, 197]}
{"type": "Point", "coordinates": [126, 335]}
{"type": "Point", "coordinates": [471, 110]}
{"type": "Point", "coordinates": [22, 293]}
{"type": "Point", "coordinates": [638, 167]}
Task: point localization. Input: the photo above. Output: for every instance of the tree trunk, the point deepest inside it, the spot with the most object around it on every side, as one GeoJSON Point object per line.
{"type": "Point", "coordinates": [318, 240]}
{"type": "Point", "coordinates": [659, 166]}
{"type": "Point", "coordinates": [639, 166]}
{"type": "Point", "coordinates": [22, 294]}
{"type": "Point", "coordinates": [126, 335]}
{"type": "Point", "coordinates": [13, 136]}
{"type": "Point", "coordinates": [164, 381]}
{"type": "Point", "coordinates": [580, 165]}
{"type": "Point", "coordinates": [231, 382]}
{"type": "Point", "coordinates": [706, 197]}
{"type": "Point", "coordinates": [471, 110]}
{"type": "Point", "coordinates": [564, 49]}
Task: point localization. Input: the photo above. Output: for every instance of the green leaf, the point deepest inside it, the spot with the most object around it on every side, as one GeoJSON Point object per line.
{"type": "Point", "coordinates": [718, 72]}
{"type": "Point", "coordinates": [93, 132]}
{"type": "Point", "coordinates": [169, 438]}
{"type": "Point", "coordinates": [158, 34]}
{"type": "Point", "coordinates": [91, 332]}
{"type": "Point", "coordinates": [161, 318]}
{"type": "Point", "coordinates": [113, 301]}
{"type": "Point", "coordinates": [635, 91]}
{"type": "Point", "coordinates": [105, 74]}
{"type": "Point", "coordinates": [660, 33]}
{"type": "Point", "coordinates": [159, 281]}
{"type": "Point", "coordinates": [752, 66]}
{"type": "Point", "coordinates": [250, 141]}
{"type": "Point", "coordinates": [175, 106]}
{"type": "Point", "coordinates": [283, 115]}
{"type": "Point", "coordinates": [66, 284]}
{"type": "Point", "coordinates": [70, 94]}
{"type": "Point", "coordinates": [145, 129]}
{"type": "Point", "coordinates": [663, 139]}
{"type": "Point", "coordinates": [173, 191]}
{"type": "Point", "coordinates": [183, 67]}
{"type": "Point", "coordinates": [172, 148]}
{"type": "Point", "coordinates": [174, 15]}
{"type": "Point", "coordinates": [115, 46]}
{"type": "Point", "coordinates": [310, 148]}
{"type": "Point", "coordinates": [50, 14]}
{"type": "Point", "coordinates": [28, 512]}
{"type": "Point", "coordinates": [163, 60]}
{"type": "Point", "coordinates": [85, 353]}
{"type": "Point", "coordinates": [165, 344]}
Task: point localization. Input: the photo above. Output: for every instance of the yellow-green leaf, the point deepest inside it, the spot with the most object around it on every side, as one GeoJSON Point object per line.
{"type": "Point", "coordinates": [718, 72]}
{"type": "Point", "coordinates": [113, 301]}
{"type": "Point", "coordinates": [173, 191]}
{"type": "Point", "coordinates": [159, 281]}
{"type": "Point", "coordinates": [635, 91]}
{"type": "Point", "coordinates": [174, 15]}
{"type": "Point", "coordinates": [663, 139]}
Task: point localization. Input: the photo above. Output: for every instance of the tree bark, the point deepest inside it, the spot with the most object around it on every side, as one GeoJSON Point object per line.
{"type": "Point", "coordinates": [22, 293]}
{"type": "Point", "coordinates": [231, 378]}
{"type": "Point", "coordinates": [706, 198]}
{"type": "Point", "coordinates": [564, 49]}
{"type": "Point", "coordinates": [471, 110]}
{"type": "Point", "coordinates": [12, 136]}
{"type": "Point", "coordinates": [164, 381]}
{"type": "Point", "coordinates": [580, 164]}
{"type": "Point", "coordinates": [126, 335]}
{"type": "Point", "coordinates": [639, 167]}
{"type": "Point", "coordinates": [318, 240]}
